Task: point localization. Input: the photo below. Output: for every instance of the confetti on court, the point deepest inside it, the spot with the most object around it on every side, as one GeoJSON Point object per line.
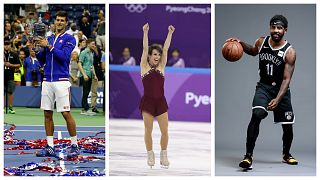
{"type": "Point", "coordinates": [93, 145]}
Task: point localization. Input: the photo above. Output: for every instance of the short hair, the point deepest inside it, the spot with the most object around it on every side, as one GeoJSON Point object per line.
{"type": "Point", "coordinates": [90, 40]}
{"type": "Point", "coordinates": [125, 48]}
{"type": "Point", "coordinates": [80, 41]}
{"type": "Point", "coordinates": [77, 53]}
{"type": "Point", "coordinates": [176, 49]}
{"type": "Point", "coordinates": [279, 18]}
{"type": "Point", "coordinates": [62, 14]}
{"type": "Point", "coordinates": [157, 47]}
{"type": "Point", "coordinates": [22, 50]}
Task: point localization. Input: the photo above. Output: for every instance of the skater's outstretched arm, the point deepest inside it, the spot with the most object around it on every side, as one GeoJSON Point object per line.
{"type": "Point", "coordinates": [166, 46]}
{"type": "Point", "coordinates": [144, 57]}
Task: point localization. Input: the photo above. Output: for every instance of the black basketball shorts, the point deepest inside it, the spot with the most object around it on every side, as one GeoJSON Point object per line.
{"type": "Point", "coordinates": [283, 113]}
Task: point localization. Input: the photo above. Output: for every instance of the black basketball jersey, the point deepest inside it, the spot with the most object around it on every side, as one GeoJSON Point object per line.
{"type": "Point", "coordinates": [272, 62]}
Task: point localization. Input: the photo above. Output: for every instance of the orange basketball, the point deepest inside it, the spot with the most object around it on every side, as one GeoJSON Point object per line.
{"type": "Point", "coordinates": [232, 50]}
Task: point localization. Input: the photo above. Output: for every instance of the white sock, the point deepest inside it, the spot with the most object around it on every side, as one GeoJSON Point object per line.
{"type": "Point", "coordinates": [74, 140]}
{"type": "Point", "coordinates": [50, 141]}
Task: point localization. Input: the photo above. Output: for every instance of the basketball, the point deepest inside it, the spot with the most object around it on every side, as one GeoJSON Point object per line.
{"type": "Point", "coordinates": [232, 51]}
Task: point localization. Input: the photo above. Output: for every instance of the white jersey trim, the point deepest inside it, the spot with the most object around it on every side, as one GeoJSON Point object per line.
{"type": "Point", "coordinates": [275, 49]}
{"type": "Point", "coordinates": [261, 107]}
{"type": "Point", "coordinates": [264, 40]}
{"type": "Point", "coordinates": [284, 55]}
{"type": "Point", "coordinates": [294, 118]}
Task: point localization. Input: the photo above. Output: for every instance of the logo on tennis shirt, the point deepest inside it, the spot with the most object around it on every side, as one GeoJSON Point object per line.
{"type": "Point", "coordinates": [69, 43]}
{"type": "Point", "coordinates": [288, 115]}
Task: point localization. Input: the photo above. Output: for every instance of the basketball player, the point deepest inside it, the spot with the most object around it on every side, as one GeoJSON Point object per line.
{"type": "Point", "coordinates": [276, 65]}
{"type": "Point", "coordinates": [56, 86]}
{"type": "Point", "coordinates": [153, 103]}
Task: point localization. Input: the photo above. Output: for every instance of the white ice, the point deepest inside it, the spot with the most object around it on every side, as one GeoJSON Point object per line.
{"type": "Point", "coordinates": [189, 149]}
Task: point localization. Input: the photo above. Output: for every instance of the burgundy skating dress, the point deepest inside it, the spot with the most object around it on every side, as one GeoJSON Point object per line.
{"type": "Point", "coordinates": [153, 100]}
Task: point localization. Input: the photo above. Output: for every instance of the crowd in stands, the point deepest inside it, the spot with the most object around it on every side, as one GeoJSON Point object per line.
{"type": "Point", "coordinates": [126, 59]}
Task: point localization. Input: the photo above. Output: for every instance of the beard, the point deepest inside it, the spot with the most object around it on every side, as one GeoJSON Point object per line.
{"type": "Point", "coordinates": [60, 28]}
{"type": "Point", "coordinates": [276, 37]}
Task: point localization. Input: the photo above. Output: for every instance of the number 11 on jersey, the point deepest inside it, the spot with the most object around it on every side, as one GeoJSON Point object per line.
{"type": "Point", "coordinates": [270, 69]}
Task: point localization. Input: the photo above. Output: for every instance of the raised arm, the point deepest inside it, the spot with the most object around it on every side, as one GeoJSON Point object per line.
{"type": "Point", "coordinates": [290, 60]}
{"type": "Point", "coordinates": [144, 56]}
{"type": "Point", "coordinates": [249, 49]}
{"type": "Point", "coordinates": [166, 46]}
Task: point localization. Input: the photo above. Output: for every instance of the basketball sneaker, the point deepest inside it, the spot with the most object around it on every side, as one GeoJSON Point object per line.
{"type": "Point", "coordinates": [287, 158]}
{"type": "Point", "coordinates": [246, 163]}
{"type": "Point", "coordinates": [73, 151]}
{"type": "Point", "coordinates": [151, 160]}
{"type": "Point", "coordinates": [46, 151]}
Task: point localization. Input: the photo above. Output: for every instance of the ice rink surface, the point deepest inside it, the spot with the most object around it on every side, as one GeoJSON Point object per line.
{"type": "Point", "coordinates": [189, 149]}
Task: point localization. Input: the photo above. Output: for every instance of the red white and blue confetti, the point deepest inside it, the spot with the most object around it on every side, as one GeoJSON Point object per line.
{"type": "Point", "coordinates": [93, 145]}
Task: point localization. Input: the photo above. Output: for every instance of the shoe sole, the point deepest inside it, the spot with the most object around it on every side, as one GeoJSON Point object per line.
{"type": "Point", "coordinates": [247, 169]}
{"type": "Point", "coordinates": [245, 166]}
{"type": "Point", "coordinates": [164, 166]}
{"type": "Point", "coordinates": [296, 163]}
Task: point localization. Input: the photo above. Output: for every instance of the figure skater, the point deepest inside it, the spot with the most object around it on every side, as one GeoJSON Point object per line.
{"type": "Point", "coordinates": [153, 103]}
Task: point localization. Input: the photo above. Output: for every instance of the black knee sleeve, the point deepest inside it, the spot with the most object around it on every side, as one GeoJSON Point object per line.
{"type": "Point", "coordinates": [259, 113]}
